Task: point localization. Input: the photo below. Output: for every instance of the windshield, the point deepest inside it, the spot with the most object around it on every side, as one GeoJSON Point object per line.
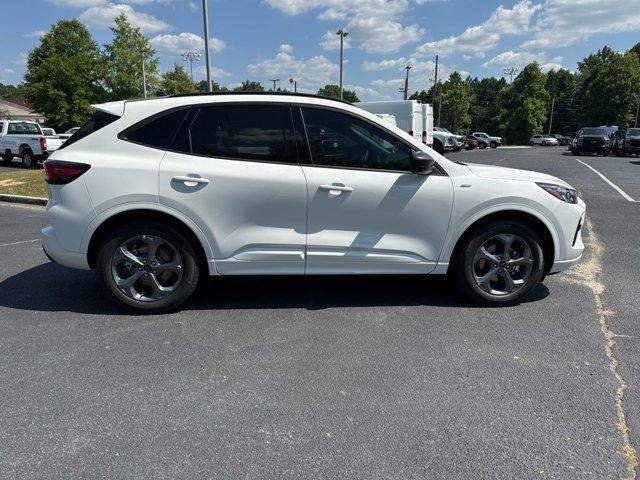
{"type": "Point", "coordinates": [593, 131]}
{"type": "Point", "coordinates": [22, 127]}
{"type": "Point", "coordinates": [72, 130]}
{"type": "Point", "coordinates": [633, 132]}
{"type": "Point", "coordinates": [547, 136]}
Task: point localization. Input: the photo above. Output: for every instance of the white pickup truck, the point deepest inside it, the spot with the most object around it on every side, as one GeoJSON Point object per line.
{"type": "Point", "coordinates": [25, 140]}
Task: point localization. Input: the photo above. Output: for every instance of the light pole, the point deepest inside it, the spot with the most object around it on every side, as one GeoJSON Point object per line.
{"type": "Point", "coordinates": [406, 82]}
{"type": "Point", "coordinates": [635, 123]}
{"type": "Point", "coordinates": [274, 80]}
{"type": "Point", "coordinates": [205, 17]}
{"type": "Point", "coordinates": [144, 74]}
{"type": "Point", "coordinates": [553, 105]}
{"type": "Point", "coordinates": [342, 33]}
{"type": "Point", "coordinates": [295, 84]}
{"type": "Point", "coordinates": [191, 57]}
{"type": "Point", "coordinates": [511, 71]}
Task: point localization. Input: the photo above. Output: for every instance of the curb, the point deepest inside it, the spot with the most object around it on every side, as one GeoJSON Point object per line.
{"type": "Point", "coordinates": [23, 199]}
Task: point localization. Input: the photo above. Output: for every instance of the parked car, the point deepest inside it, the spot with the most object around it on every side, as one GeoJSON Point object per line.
{"type": "Point", "coordinates": [485, 140]}
{"type": "Point", "coordinates": [27, 141]}
{"type": "Point", "coordinates": [631, 142]}
{"type": "Point", "coordinates": [472, 142]}
{"type": "Point", "coordinates": [49, 132]}
{"type": "Point", "coordinates": [592, 140]}
{"type": "Point", "coordinates": [408, 115]}
{"type": "Point", "coordinates": [562, 140]}
{"type": "Point", "coordinates": [259, 184]}
{"type": "Point", "coordinates": [444, 141]}
{"type": "Point", "coordinates": [69, 132]}
{"type": "Point", "coordinates": [544, 140]}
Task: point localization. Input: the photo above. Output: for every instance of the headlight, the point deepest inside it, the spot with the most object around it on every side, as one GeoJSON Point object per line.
{"type": "Point", "coordinates": [565, 194]}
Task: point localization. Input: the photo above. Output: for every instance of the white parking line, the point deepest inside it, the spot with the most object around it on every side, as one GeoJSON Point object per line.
{"type": "Point", "coordinates": [20, 242]}
{"type": "Point", "coordinates": [616, 188]}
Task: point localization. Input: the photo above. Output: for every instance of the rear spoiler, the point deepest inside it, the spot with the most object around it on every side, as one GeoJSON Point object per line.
{"type": "Point", "coordinates": [115, 108]}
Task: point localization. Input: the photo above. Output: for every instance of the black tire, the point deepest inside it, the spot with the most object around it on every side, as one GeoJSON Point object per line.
{"type": "Point", "coordinates": [28, 159]}
{"type": "Point", "coordinates": [532, 143]}
{"type": "Point", "coordinates": [576, 152]}
{"type": "Point", "coordinates": [482, 145]}
{"type": "Point", "coordinates": [437, 146]}
{"type": "Point", "coordinates": [7, 159]}
{"type": "Point", "coordinates": [463, 268]}
{"type": "Point", "coordinates": [493, 145]}
{"type": "Point", "coordinates": [544, 144]}
{"type": "Point", "coordinates": [183, 289]}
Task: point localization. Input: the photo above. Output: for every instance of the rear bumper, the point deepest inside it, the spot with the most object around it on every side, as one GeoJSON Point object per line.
{"type": "Point", "coordinates": [56, 253]}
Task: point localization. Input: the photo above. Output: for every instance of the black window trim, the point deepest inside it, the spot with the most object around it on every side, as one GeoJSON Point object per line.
{"type": "Point", "coordinates": [197, 107]}
{"type": "Point", "coordinates": [438, 170]}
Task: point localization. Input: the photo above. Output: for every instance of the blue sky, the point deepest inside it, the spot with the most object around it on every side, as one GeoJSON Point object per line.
{"type": "Point", "coordinates": [263, 39]}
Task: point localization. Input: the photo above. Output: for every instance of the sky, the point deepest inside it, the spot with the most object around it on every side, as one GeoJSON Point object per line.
{"type": "Point", "coordinates": [266, 39]}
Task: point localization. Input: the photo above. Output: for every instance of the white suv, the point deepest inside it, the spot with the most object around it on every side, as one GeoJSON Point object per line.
{"type": "Point", "coordinates": [158, 194]}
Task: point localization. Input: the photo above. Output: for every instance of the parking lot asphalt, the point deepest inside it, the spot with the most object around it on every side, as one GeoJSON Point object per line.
{"type": "Point", "coordinates": [332, 377]}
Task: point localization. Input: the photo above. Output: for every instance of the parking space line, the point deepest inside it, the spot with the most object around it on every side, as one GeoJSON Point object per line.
{"type": "Point", "coordinates": [20, 242]}
{"type": "Point", "coordinates": [615, 187]}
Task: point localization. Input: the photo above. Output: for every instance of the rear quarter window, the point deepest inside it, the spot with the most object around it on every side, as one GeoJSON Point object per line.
{"type": "Point", "coordinates": [98, 120]}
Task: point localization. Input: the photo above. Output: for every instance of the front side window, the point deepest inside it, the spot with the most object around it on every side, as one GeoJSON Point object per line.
{"type": "Point", "coordinates": [340, 140]}
{"type": "Point", "coordinates": [251, 132]}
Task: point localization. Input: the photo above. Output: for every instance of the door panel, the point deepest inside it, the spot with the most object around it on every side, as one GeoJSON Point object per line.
{"type": "Point", "coordinates": [389, 223]}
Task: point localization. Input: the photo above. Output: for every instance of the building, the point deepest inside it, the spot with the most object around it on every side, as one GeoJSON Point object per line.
{"type": "Point", "coordinates": [17, 110]}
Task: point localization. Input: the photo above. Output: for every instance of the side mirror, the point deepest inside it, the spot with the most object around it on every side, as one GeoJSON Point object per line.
{"type": "Point", "coordinates": [422, 163]}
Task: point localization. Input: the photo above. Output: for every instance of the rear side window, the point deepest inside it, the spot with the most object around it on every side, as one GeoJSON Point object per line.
{"type": "Point", "coordinates": [250, 132]}
{"type": "Point", "coordinates": [24, 128]}
{"type": "Point", "coordinates": [98, 120]}
{"type": "Point", "coordinates": [157, 131]}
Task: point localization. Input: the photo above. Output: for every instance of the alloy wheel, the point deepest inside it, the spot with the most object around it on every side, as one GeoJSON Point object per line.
{"type": "Point", "coordinates": [146, 268]}
{"type": "Point", "coordinates": [502, 264]}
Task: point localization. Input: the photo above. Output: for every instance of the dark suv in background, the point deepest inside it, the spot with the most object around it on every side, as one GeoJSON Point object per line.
{"type": "Point", "coordinates": [592, 140]}
{"type": "Point", "coordinates": [630, 142]}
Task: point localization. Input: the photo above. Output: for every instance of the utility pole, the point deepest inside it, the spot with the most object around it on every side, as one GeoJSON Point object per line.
{"type": "Point", "coordinates": [191, 57]}
{"type": "Point", "coordinates": [440, 107]}
{"type": "Point", "coordinates": [274, 80]}
{"type": "Point", "coordinates": [205, 15]}
{"type": "Point", "coordinates": [295, 84]}
{"type": "Point", "coordinates": [144, 76]}
{"type": "Point", "coordinates": [406, 82]}
{"type": "Point", "coordinates": [635, 124]}
{"type": "Point", "coordinates": [435, 89]}
{"type": "Point", "coordinates": [342, 33]}
{"type": "Point", "coordinates": [553, 104]}
{"type": "Point", "coordinates": [511, 71]}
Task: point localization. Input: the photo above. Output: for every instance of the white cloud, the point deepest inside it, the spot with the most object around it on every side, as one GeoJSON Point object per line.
{"type": "Point", "coordinates": [20, 59]}
{"type": "Point", "coordinates": [331, 41]}
{"type": "Point", "coordinates": [565, 22]}
{"type": "Point", "coordinates": [102, 16]}
{"type": "Point", "coordinates": [286, 48]}
{"type": "Point", "coordinates": [480, 38]}
{"type": "Point", "coordinates": [35, 34]}
{"type": "Point", "coordinates": [200, 73]}
{"type": "Point", "coordinates": [311, 73]}
{"type": "Point", "coordinates": [168, 44]}
{"type": "Point", "coordinates": [374, 25]}
{"type": "Point", "coordinates": [521, 59]}
{"type": "Point", "coordinates": [77, 3]}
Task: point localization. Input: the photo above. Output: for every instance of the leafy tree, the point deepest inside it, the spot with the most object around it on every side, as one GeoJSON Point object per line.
{"type": "Point", "coordinates": [334, 91]}
{"type": "Point", "coordinates": [249, 86]}
{"type": "Point", "coordinates": [455, 104]}
{"type": "Point", "coordinates": [65, 75]}
{"type": "Point", "coordinates": [176, 81]}
{"type": "Point", "coordinates": [13, 92]}
{"type": "Point", "coordinates": [562, 87]}
{"type": "Point", "coordinates": [524, 105]}
{"type": "Point", "coordinates": [201, 87]}
{"type": "Point", "coordinates": [124, 61]}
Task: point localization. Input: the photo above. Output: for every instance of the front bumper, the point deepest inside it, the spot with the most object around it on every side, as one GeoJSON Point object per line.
{"type": "Point", "coordinates": [573, 247]}
{"type": "Point", "coordinates": [55, 252]}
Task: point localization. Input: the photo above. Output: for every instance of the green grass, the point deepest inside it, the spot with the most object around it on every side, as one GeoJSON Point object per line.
{"type": "Point", "coordinates": [23, 182]}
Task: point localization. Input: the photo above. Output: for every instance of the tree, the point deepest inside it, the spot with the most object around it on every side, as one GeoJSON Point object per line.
{"type": "Point", "coordinates": [65, 75]}
{"type": "Point", "coordinates": [455, 104]}
{"type": "Point", "coordinates": [124, 61]}
{"type": "Point", "coordinates": [562, 86]}
{"type": "Point", "coordinates": [524, 105]}
{"type": "Point", "coordinates": [176, 81]}
{"type": "Point", "coordinates": [249, 86]}
{"type": "Point", "coordinates": [13, 92]}
{"type": "Point", "coordinates": [201, 87]}
{"type": "Point", "coordinates": [334, 91]}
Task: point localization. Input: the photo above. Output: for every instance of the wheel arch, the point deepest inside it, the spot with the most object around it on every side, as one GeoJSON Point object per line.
{"type": "Point", "coordinates": [23, 147]}
{"type": "Point", "coordinates": [544, 230]}
{"type": "Point", "coordinates": [102, 226]}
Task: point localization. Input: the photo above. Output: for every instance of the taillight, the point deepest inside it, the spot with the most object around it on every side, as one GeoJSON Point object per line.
{"type": "Point", "coordinates": [425, 137]}
{"type": "Point", "coordinates": [58, 172]}
{"type": "Point", "coordinates": [43, 144]}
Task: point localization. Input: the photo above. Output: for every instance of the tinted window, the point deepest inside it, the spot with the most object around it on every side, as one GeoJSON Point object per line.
{"type": "Point", "coordinates": [98, 120]}
{"type": "Point", "coordinates": [252, 132]}
{"type": "Point", "coordinates": [24, 128]}
{"type": "Point", "coordinates": [159, 130]}
{"type": "Point", "coordinates": [341, 140]}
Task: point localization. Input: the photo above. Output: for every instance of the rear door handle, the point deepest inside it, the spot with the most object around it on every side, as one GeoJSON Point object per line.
{"type": "Point", "coordinates": [335, 188]}
{"type": "Point", "coordinates": [189, 181]}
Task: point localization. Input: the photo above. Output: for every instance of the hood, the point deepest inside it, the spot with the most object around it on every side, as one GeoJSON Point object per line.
{"type": "Point", "coordinates": [503, 173]}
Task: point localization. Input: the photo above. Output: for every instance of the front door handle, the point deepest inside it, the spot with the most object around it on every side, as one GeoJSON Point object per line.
{"type": "Point", "coordinates": [336, 188]}
{"type": "Point", "coordinates": [189, 181]}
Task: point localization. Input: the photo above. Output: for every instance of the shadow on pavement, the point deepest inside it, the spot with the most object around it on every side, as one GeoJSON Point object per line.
{"type": "Point", "coordinates": [51, 288]}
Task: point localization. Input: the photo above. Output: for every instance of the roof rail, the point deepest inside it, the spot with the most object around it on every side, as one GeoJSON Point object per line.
{"type": "Point", "coordinates": [306, 95]}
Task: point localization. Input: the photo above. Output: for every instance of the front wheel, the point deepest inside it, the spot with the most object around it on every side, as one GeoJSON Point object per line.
{"type": "Point", "coordinates": [148, 267]}
{"type": "Point", "coordinates": [499, 263]}
{"type": "Point", "coordinates": [531, 143]}
{"type": "Point", "coordinates": [437, 146]}
{"type": "Point", "coordinates": [494, 145]}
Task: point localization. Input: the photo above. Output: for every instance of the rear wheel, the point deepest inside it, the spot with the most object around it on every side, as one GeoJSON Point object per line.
{"type": "Point", "coordinates": [28, 159]}
{"type": "Point", "coordinates": [493, 145]}
{"type": "Point", "coordinates": [148, 267]}
{"type": "Point", "coordinates": [531, 143]}
{"type": "Point", "coordinates": [482, 146]}
{"type": "Point", "coordinates": [500, 263]}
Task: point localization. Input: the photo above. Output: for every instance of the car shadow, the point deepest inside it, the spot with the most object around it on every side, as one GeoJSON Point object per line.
{"type": "Point", "coordinates": [635, 162]}
{"type": "Point", "coordinates": [51, 288]}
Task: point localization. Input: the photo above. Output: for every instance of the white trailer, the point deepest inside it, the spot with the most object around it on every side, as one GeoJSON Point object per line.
{"type": "Point", "coordinates": [409, 115]}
